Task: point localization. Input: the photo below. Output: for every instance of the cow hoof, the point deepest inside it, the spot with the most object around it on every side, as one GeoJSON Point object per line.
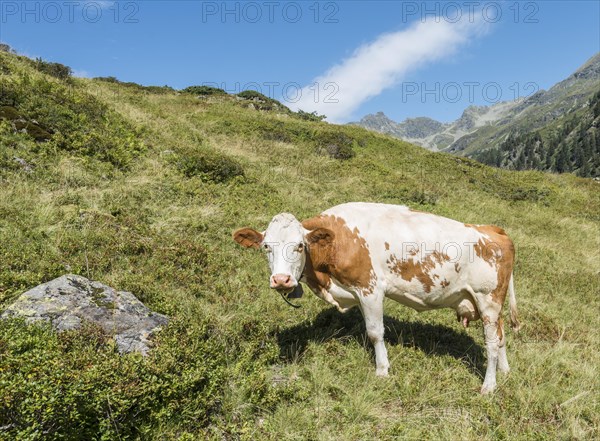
{"type": "Point", "coordinates": [487, 389]}
{"type": "Point", "coordinates": [503, 369]}
{"type": "Point", "coordinates": [381, 372]}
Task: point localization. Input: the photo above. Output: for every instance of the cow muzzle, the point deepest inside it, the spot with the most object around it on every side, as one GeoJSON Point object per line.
{"type": "Point", "coordinates": [283, 282]}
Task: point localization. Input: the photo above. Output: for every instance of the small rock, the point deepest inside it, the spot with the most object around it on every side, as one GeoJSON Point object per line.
{"type": "Point", "coordinates": [70, 300]}
{"type": "Point", "coordinates": [26, 166]}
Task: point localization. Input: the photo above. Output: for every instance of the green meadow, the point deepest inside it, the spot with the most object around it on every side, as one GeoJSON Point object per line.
{"type": "Point", "coordinates": [141, 188]}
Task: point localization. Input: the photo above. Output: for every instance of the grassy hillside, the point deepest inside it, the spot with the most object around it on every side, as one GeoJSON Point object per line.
{"type": "Point", "coordinates": [140, 188]}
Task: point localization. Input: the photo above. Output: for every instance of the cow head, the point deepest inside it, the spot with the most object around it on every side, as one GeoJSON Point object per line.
{"type": "Point", "coordinates": [285, 242]}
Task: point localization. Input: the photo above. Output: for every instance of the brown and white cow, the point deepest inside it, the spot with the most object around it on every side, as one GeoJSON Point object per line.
{"type": "Point", "coordinates": [359, 253]}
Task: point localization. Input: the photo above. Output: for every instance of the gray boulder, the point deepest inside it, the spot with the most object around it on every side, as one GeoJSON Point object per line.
{"type": "Point", "coordinates": [70, 300]}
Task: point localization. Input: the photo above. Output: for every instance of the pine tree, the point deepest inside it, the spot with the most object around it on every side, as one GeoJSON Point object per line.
{"type": "Point", "coordinates": [550, 157]}
{"type": "Point", "coordinates": [585, 170]}
{"type": "Point", "coordinates": [520, 162]}
{"type": "Point", "coordinates": [561, 164]}
{"type": "Point", "coordinates": [578, 158]}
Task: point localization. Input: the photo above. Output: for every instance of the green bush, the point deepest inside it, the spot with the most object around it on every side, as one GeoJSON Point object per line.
{"type": "Point", "coordinates": [56, 70]}
{"type": "Point", "coordinates": [262, 102]}
{"type": "Point", "coordinates": [334, 143]}
{"type": "Point", "coordinates": [204, 90]}
{"type": "Point", "coordinates": [274, 130]}
{"type": "Point", "coordinates": [108, 79]}
{"type": "Point", "coordinates": [253, 94]}
{"type": "Point", "coordinates": [6, 48]}
{"type": "Point", "coordinates": [136, 86]}
{"type": "Point", "coordinates": [208, 166]}
{"type": "Point", "coordinates": [312, 116]}
{"type": "Point", "coordinates": [74, 385]}
{"type": "Point", "coordinates": [20, 124]}
{"type": "Point", "coordinates": [421, 197]}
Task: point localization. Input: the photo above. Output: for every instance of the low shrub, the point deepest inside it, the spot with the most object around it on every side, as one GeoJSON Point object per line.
{"type": "Point", "coordinates": [56, 70]}
{"type": "Point", "coordinates": [208, 166]}
{"type": "Point", "coordinates": [20, 124]}
{"type": "Point", "coordinates": [334, 143]}
{"type": "Point", "coordinates": [6, 48]}
{"type": "Point", "coordinates": [74, 385]}
{"type": "Point", "coordinates": [312, 116]}
{"type": "Point", "coordinates": [136, 86]}
{"type": "Point", "coordinates": [204, 90]}
{"type": "Point", "coordinates": [108, 79]}
{"type": "Point", "coordinates": [262, 102]}
{"type": "Point", "coordinates": [421, 197]}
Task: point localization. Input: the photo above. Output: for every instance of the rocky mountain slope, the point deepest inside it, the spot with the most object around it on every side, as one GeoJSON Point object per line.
{"type": "Point", "coordinates": [483, 127]}
{"type": "Point", "coordinates": [571, 143]}
{"type": "Point", "coordinates": [435, 135]}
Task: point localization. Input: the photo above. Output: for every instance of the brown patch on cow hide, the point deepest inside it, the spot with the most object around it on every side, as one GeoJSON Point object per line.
{"type": "Point", "coordinates": [444, 283]}
{"type": "Point", "coordinates": [320, 247]}
{"type": "Point", "coordinates": [387, 246]}
{"type": "Point", "coordinates": [317, 281]}
{"type": "Point", "coordinates": [343, 254]}
{"type": "Point", "coordinates": [457, 267]}
{"type": "Point", "coordinates": [408, 269]}
{"type": "Point", "coordinates": [500, 329]}
{"type": "Point", "coordinates": [499, 252]}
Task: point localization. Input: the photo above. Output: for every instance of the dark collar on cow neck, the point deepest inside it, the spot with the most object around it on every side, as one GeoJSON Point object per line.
{"type": "Point", "coordinates": [284, 297]}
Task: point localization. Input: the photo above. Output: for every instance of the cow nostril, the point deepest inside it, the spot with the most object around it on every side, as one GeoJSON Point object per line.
{"type": "Point", "coordinates": [281, 281]}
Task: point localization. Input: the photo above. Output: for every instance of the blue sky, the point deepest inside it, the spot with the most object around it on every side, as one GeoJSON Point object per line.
{"type": "Point", "coordinates": [344, 59]}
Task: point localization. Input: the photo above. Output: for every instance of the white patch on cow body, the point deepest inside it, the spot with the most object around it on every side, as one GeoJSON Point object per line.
{"type": "Point", "coordinates": [344, 298]}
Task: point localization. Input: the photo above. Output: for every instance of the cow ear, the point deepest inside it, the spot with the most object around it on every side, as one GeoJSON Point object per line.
{"type": "Point", "coordinates": [248, 238]}
{"type": "Point", "coordinates": [323, 236]}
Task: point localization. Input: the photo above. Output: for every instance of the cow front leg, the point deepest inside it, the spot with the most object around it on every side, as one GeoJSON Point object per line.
{"type": "Point", "coordinates": [373, 314]}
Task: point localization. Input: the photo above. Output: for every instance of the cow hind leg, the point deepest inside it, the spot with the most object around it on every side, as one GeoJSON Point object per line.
{"type": "Point", "coordinates": [492, 345]}
{"type": "Point", "coordinates": [494, 341]}
{"type": "Point", "coordinates": [373, 315]}
{"type": "Point", "coordinates": [502, 360]}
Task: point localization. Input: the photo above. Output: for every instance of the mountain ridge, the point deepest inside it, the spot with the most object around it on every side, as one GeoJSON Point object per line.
{"type": "Point", "coordinates": [483, 127]}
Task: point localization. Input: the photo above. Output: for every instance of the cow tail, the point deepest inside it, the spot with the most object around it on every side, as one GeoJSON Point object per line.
{"type": "Point", "coordinates": [512, 302]}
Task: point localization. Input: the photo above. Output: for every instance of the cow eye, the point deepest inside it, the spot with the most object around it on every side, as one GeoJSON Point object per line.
{"type": "Point", "coordinates": [300, 247]}
{"type": "Point", "coordinates": [266, 247]}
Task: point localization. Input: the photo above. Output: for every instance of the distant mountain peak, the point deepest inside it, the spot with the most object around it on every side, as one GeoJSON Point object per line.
{"type": "Point", "coordinates": [411, 128]}
{"type": "Point", "coordinates": [478, 126]}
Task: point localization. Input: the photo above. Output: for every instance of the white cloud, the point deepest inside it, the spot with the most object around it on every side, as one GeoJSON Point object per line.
{"type": "Point", "coordinates": [102, 4]}
{"type": "Point", "coordinates": [81, 73]}
{"type": "Point", "coordinates": [382, 63]}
